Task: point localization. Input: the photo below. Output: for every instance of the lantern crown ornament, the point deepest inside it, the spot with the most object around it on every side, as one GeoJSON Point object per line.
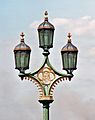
{"type": "Point", "coordinates": [22, 55]}
{"type": "Point", "coordinates": [69, 46]}
{"type": "Point", "coordinates": [22, 45]}
{"type": "Point", "coordinates": [46, 32]}
{"type": "Point", "coordinates": [69, 56]}
{"type": "Point", "coordinates": [46, 24]}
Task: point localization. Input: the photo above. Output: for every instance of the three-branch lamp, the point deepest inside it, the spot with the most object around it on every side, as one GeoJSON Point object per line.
{"type": "Point", "coordinates": [46, 77]}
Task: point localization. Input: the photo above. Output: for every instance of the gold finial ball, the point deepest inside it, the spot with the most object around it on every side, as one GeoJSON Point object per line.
{"type": "Point", "coordinates": [22, 35]}
{"type": "Point", "coordinates": [46, 16]}
{"type": "Point", "coordinates": [69, 35]}
{"type": "Point", "coordinates": [46, 13]}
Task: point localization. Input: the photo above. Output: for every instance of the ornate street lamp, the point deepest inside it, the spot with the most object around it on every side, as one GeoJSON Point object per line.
{"type": "Point", "coordinates": [46, 77]}
{"type": "Point", "coordinates": [69, 56]}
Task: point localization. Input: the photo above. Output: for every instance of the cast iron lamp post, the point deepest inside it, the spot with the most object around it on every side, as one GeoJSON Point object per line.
{"type": "Point", "coordinates": [46, 77]}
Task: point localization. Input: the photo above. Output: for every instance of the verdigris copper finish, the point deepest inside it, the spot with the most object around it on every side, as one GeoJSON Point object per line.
{"type": "Point", "coordinates": [46, 77]}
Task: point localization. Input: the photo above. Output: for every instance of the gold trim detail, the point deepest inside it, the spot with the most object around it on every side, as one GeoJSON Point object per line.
{"type": "Point", "coordinates": [46, 75]}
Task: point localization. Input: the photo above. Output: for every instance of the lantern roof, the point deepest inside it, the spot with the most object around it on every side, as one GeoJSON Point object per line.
{"type": "Point", "coordinates": [46, 24]}
{"type": "Point", "coordinates": [69, 47]}
{"type": "Point", "coordinates": [22, 45]}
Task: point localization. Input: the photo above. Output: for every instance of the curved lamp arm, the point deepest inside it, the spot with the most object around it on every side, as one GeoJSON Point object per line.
{"type": "Point", "coordinates": [46, 84]}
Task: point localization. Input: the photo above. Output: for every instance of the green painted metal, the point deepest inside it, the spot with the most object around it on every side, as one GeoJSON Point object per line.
{"type": "Point", "coordinates": [56, 72]}
{"type": "Point", "coordinates": [46, 111]}
{"type": "Point", "coordinates": [46, 61]}
{"type": "Point", "coordinates": [46, 104]}
{"type": "Point", "coordinates": [46, 89]}
{"type": "Point", "coordinates": [43, 64]}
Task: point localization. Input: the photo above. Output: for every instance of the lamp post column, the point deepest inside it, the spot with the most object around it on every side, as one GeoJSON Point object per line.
{"type": "Point", "coordinates": [46, 111]}
{"type": "Point", "coordinates": [46, 106]}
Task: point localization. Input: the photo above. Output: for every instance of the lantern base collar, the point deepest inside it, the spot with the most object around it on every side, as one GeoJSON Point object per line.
{"type": "Point", "coordinates": [46, 52]}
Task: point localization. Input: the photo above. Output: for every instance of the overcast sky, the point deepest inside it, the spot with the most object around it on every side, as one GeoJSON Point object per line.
{"type": "Point", "coordinates": [74, 100]}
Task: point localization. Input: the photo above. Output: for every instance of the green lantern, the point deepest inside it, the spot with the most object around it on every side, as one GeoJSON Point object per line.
{"type": "Point", "coordinates": [69, 56]}
{"type": "Point", "coordinates": [22, 55]}
{"type": "Point", "coordinates": [46, 32]}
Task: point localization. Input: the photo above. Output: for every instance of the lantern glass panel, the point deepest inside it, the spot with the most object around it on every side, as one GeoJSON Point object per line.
{"type": "Point", "coordinates": [46, 38]}
{"type": "Point", "coordinates": [74, 60]}
{"type": "Point", "coordinates": [69, 60]}
{"type": "Point", "coordinates": [41, 38]}
{"type": "Point", "coordinates": [17, 60]}
{"type": "Point", "coordinates": [65, 61]}
{"type": "Point", "coordinates": [22, 60]}
{"type": "Point", "coordinates": [26, 60]}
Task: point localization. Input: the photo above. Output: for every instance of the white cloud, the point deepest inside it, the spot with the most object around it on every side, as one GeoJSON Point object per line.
{"type": "Point", "coordinates": [86, 17]}
{"type": "Point", "coordinates": [35, 24]}
{"type": "Point", "coordinates": [60, 21]}
{"type": "Point", "coordinates": [81, 26]}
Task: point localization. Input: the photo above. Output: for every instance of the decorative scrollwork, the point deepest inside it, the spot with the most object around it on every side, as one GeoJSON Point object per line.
{"type": "Point", "coordinates": [54, 84]}
{"type": "Point", "coordinates": [40, 88]}
{"type": "Point", "coordinates": [46, 75]}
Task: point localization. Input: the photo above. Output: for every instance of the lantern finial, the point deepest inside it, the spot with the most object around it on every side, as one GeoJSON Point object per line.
{"type": "Point", "coordinates": [22, 37]}
{"type": "Point", "coordinates": [69, 37]}
{"type": "Point", "coordinates": [46, 16]}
